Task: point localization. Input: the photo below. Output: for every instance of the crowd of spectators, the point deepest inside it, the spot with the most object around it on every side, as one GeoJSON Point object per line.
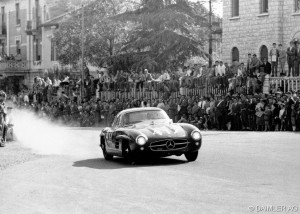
{"type": "Point", "coordinates": [245, 109]}
{"type": "Point", "coordinates": [256, 112]}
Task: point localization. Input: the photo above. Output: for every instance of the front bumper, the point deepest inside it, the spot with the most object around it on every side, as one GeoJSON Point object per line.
{"type": "Point", "coordinates": [161, 149]}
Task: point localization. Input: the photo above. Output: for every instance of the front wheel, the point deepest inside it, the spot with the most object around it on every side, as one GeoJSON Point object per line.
{"type": "Point", "coordinates": [105, 154]}
{"type": "Point", "coordinates": [191, 156]}
{"type": "Point", "coordinates": [127, 153]}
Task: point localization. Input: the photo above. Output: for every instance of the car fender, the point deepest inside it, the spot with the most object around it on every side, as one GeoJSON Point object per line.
{"type": "Point", "coordinates": [188, 128]}
{"type": "Point", "coordinates": [123, 137]}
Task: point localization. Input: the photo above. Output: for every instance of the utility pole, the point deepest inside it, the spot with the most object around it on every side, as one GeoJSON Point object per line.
{"type": "Point", "coordinates": [82, 55]}
{"type": "Point", "coordinates": [210, 51]}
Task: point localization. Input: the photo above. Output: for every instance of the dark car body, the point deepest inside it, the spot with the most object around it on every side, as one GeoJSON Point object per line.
{"type": "Point", "coordinates": [163, 137]}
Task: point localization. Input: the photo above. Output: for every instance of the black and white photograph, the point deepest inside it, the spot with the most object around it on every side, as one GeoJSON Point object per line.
{"type": "Point", "coordinates": [149, 106]}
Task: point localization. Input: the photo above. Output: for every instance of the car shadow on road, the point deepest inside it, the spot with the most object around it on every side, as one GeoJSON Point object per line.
{"type": "Point", "coordinates": [117, 163]}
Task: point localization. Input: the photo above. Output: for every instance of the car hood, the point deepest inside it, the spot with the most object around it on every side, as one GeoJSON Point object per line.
{"type": "Point", "coordinates": [161, 130]}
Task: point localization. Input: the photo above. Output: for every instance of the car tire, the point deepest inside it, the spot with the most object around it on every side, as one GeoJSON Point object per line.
{"type": "Point", "coordinates": [191, 156]}
{"type": "Point", "coordinates": [106, 156]}
{"type": "Point", "coordinates": [127, 153]}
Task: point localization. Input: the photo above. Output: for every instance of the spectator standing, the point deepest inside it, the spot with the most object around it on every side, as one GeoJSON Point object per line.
{"type": "Point", "coordinates": [291, 51]}
{"type": "Point", "coordinates": [274, 53]}
{"type": "Point", "coordinates": [254, 66]}
{"type": "Point", "coordinates": [222, 69]}
{"type": "Point", "coordinates": [249, 62]}
{"type": "Point", "coordinates": [281, 59]}
{"type": "Point", "coordinates": [297, 59]}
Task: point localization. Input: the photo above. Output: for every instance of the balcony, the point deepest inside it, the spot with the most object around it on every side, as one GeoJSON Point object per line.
{"type": "Point", "coordinates": [20, 66]}
{"type": "Point", "coordinates": [285, 83]}
{"type": "Point", "coordinates": [32, 28]}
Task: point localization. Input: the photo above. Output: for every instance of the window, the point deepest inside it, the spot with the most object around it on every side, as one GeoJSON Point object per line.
{"type": "Point", "coordinates": [18, 20]}
{"type": "Point", "coordinates": [18, 46]}
{"type": "Point", "coordinates": [264, 6]}
{"type": "Point", "coordinates": [297, 6]}
{"type": "Point", "coordinates": [235, 54]}
{"type": "Point", "coordinates": [235, 8]}
{"type": "Point", "coordinates": [3, 28]}
{"type": "Point", "coordinates": [37, 12]}
{"type": "Point", "coordinates": [264, 53]}
{"type": "Point", "coordinates": [53, 50]}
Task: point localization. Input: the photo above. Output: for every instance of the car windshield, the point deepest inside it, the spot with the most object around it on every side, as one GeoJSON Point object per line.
{"type": "Point", "coordinates": [142, 116]}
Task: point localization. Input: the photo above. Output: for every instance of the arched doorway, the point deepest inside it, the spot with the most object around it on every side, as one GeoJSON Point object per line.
{"type": "Point", "coordinates": [296, 36]}
{"type": "Point", "coordinates": [263, 52]}
{"type": "Point", "coordinates": [235, 54]}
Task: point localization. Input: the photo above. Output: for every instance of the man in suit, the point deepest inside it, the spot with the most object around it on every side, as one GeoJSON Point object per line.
{"type": "Point", "coordinates": [297, 59]}
{"type": "Point", "coordinates": [291, 58]}
{"type": "Point", "coordinates": [221, 113]}
{"type": "Point", "coordinates": [266, 66]}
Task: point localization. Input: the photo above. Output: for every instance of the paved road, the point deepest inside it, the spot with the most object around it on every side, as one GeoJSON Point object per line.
{"type": "Point", "coordinates": [234, 171]}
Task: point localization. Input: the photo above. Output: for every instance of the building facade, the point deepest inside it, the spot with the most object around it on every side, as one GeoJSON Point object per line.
{"type": "Point", "coordinates": [26, 41]}
{"type": "Point", "coordinates": [253, 26]}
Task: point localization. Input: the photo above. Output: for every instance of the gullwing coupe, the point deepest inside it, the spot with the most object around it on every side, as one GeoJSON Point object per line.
{"type": "Point", "coordinates": [140, 133]}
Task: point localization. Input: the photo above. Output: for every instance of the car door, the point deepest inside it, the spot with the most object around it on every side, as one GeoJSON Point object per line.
{"type": "Point", "coordinates": [111, 135]}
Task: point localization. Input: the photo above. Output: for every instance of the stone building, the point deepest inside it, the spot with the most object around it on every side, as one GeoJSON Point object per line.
{"type": "Point", "coordinates": [253, 26]}
{"type": "Point", "coordinates": [24, 36]}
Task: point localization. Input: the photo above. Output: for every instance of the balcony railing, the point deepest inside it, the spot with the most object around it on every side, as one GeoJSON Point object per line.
{"type": "Point", "coordinates": [20, 66]}
{"type": "Point", "coordinates": [285, 83]}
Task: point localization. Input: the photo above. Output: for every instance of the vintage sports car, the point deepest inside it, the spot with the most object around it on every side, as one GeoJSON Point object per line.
{"type": "Point", "coordinates": [149, 132]}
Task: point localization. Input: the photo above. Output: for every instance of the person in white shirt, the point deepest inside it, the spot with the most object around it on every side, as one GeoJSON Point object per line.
{"type": "Point", "coordinates": [166, 76]}
{"type": "Point", "coordinates": [217, 68]}
{"type": "Point", "coordinates": [240, 71]}
{"type": "Point", "coordinates": [189, 71]}
{"type": "Point", "coordinates": [222, 69]}
{"type": "Point", "coordinates": [161, 104]}
{"type": "Point", "coordinates": [26, 98]}
{"type": "Point", "coordinates": [48, 81]}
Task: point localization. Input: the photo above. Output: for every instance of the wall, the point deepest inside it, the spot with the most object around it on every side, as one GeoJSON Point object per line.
{"type": "Point", "coordinates": [251, 30]}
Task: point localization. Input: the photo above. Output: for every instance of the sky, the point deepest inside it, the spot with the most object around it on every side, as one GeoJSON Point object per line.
{"type": "Point", "coordinates": [217, 6]}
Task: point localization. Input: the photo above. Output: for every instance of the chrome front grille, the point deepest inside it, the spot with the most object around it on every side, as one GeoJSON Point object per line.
{"type": "Point", "coordinates": [168, 145]}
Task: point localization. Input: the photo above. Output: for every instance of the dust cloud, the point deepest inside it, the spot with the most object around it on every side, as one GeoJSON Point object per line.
{"type": "Point", "coordinates": [47, 138]}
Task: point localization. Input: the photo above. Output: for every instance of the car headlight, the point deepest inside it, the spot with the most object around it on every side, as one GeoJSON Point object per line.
{"type": "Point", "coordinates": [141, 140]}
{"type": "Point", "coordinates": [196, 135]}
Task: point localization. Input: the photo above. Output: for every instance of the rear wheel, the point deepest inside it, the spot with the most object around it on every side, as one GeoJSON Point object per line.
{"type": "Point", "coordinates": [105, 154]}
{"type": "Point", "coordinates": [191, 156]}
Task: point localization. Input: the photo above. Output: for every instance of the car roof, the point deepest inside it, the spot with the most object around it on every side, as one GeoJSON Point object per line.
{"type": "Point", "coordinates": [139, 109]}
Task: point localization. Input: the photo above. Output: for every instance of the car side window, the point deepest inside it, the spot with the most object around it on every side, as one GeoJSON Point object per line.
{"type": "Point", "coordinates": [115, 123]}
